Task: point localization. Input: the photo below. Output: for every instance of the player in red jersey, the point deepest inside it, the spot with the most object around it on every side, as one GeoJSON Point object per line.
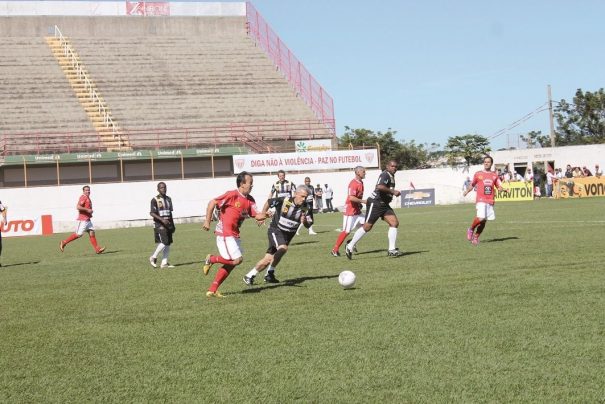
{"type": "Point", "coordinates": [352, 215]}
{"type": "Point", "coordinates": [234, 206]}
{"type": "Point", "coordinates": [84, 208]}
{"type": "Point", "coordinates": [485, 181]}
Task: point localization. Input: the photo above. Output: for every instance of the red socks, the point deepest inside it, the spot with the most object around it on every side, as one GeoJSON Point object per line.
{"type": "Point", "coordinates": [93, 241]}
{"type": "Point", "coordinates": [476, 223]}
{"type": "Point", "coordinates": [221, 275]}
{"type": "Point", "coordinates": [70, 238]}
{"type": "Point", "coordinates": [341, 238]}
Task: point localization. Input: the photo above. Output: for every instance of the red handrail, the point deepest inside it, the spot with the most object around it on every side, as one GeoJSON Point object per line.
{"type": "Point", "coordinates": [292, 69]}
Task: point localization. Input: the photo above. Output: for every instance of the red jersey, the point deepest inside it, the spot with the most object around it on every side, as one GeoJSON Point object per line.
{"type": "Point", "coordinates": [356, 190]}
{"type": "Point", "coordinates": [87, 203]}
{"type": "Point", "coordinates": [234, 208]}
{"type": "Point", "coordinates": [485, 183]}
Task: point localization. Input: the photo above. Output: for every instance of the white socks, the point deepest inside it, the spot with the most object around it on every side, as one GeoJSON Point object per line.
{"type": "Point", "coordinates": [158, 250]}
{"type": "Point", "coordinates": [253, 272]}
{"type": "Point", "coordinates": [166, 253]}
{"type": "Point", "coordinates": [392, 237]}
{"type": "Point", "coordinates": [356, 237]}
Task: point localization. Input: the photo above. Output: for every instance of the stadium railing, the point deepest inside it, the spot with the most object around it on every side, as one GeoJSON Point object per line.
{"type": "Point", "coordinates": [256, 136]}
{"type": "Point", "coordinates": [320, 102]}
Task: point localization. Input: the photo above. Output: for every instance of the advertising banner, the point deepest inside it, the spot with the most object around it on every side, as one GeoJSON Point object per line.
{"type": "Point", "coordinates": [125, 155]}
{"type": "Point", "coordinates": [30, 226]}
{"type": "Point", "coordinates": [412, 198]}
{"type": "Point", "coordinates": [303, 146]}
{"type": "Point", "coordinates": [309, 161]}
{"type": "Point", "coordinates": [583, 187]}
{"type": "Point", "coordinates": [517, 191]}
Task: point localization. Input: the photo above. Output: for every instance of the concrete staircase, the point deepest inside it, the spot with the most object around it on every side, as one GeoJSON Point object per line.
{"type": "Point", "coordinates": [110, 134]}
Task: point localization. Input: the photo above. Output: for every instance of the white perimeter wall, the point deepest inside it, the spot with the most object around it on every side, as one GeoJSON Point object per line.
{"type": "Point", "coordinates": [116, 8]}
{"type": "Point", "coordinates": [127, 204]}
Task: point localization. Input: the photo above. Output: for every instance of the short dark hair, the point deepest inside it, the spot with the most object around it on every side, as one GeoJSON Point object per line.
{"type": "Point", "coordinates": [85, 186]}
{"type": "Point", "coordinates": [160, 183]}
{"type": "Point", "coordinates": [281, 172]}
{"type": "Point", "coordinates": [487, 156]}
{"type": "Point", "coordinates": [241, 178]}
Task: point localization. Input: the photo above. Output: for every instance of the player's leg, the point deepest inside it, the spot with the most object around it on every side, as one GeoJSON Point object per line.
{"type": "Point", "coordinates": [393, 222]}
{"type": "Point", "coordinates": [80, 229]}
{"type": "Point", "coordinates": [310, 215]}
{"type": "Point", "coordinates": [347, 223]}
{"type": "Point", "coordinates": [166, 252]}
{"type": "Point", "coordinates": [224, 256]}
{"type": "Point", "coordinates": [266, 260]}
{"type": "Point", "coordinates": [157, 233]}
{"type": "Point", "coordinates": [483, 211]}
{"type": "Point", "coordinates": [93, 238]}
{"type": "Point", "coordinates": [221, 275]}
{"type": "Point", "coordinates": [480, 212]}
{"type": "Point", "coordinates": [374, 211]}
{"type": "Point", "coordinates": [490, 214]}
{"type": "Point", "coordinates": [281, 240]}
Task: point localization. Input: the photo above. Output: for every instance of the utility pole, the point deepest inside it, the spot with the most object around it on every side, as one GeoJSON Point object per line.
{"type": "Point", "coordinates": [552, 121]}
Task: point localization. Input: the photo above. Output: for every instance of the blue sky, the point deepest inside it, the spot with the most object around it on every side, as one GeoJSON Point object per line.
{"type": "Point", "coordinates": [435, 69]}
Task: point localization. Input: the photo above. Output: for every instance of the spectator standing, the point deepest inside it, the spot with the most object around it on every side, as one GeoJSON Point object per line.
{"type": "Point", "coordinates": [550, 180]}
{"type": "Point", "coordinates": [328, 195]}
{"type": "Point", "coordinates": [319, 202]}
{"type": "Point", "coordinates": [568, 172]}
{"type": "Point", "coordinates": [466, 183]}
{"type": "Point", "coordinates": [309, 213]}
{"type": "Point", "coordinates": [586, 172]}
{"type": "Point", "coordinates": [597, 171]}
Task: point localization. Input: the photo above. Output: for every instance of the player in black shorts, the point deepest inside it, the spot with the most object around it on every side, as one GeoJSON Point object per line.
{"type": "Point", "coordinates": [161, 211]}
{"type": "Point", "coordinates": [290, 212]}
{"type": "Point", "coordinates": [378, 207]}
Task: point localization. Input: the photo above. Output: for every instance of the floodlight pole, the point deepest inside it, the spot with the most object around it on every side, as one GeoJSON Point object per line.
{"type": "Point", "coordinates": [550, 115]}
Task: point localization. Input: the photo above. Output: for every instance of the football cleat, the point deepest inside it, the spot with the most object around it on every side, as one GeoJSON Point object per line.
{"type": "Point", "coordinates": [469, 234]}
{"type": "Point", "coordinates": [62, 246]}
{"type": "Point", "coordinates": [335, 253]}
{"type": "Point", "coordinates": [153, 262]}
{"type": "Point", "coordinates": [475, 240]}
{"type": "Point", "coordinates": [207, 264]}
{"type": "Point", "coordinates": [394, 253]}
{"type": "Point", "coordinates": [100, 250]}
{"type": "Point", "coordinates": [270, 278]}
{"type": "Point", "coordinates": [312, 233]}
{"type": "Point", "coordinates": [249, 280]}
{"type": "Point", "coordinates": [214, 294]}
{"type": "Point", "coordinates": [166, 266]}
{"type": "Point", "coordinates": [348, 252]}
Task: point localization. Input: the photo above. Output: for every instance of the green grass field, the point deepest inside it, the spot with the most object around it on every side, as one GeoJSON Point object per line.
{"type": "Point", "coordinates": [521, 317]}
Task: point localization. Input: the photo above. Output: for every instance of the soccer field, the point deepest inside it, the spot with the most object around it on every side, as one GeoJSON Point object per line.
{"type": "Point", "coordinates": [521, 317]}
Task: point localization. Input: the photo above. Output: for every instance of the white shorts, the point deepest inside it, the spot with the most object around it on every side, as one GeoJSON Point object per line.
{"type": "Point", "coordinates": [229, 247]}
{"type": "Point", "coordinates": [83, 226]}
{"type": "Point", "coordinates": [351, 222]}
{"type": "Point", "coordinates": [485, 211]}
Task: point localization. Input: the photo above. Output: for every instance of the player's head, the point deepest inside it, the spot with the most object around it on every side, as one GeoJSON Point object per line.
{"type": "Point", "coordinates": [244, 182]}
{"type": "Point", "coordinates": [86, 189]}
{"type": "Point", "coordinates": [392, 166]}
{"type": "Point", "coordinates": [307, 181]}
{"type": "Point", "coordinates": [360, 172]}
{"type": "Point", "coordinates": [281, 174]}
{"type": "Point", "coordinates": [488, 161]}
{"type": "Point", "coordinates": [300, 195]}
{"type": "Point", "coordinates": [162, 188]}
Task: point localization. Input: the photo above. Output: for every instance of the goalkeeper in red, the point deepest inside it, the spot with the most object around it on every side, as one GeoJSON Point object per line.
{"type": "Point", "coordinates": [485, 182]}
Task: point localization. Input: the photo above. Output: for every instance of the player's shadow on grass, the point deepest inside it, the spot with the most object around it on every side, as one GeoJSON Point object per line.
{"type": "Point", "coordinates": [495, 240]}
{"type": "Point", "coordinates": [182, 264]}
{"type": "Point", "coordinates": [304, 242]}
{"type": "Point", "coordinates": [403, 253]}
{"type": "Point", "coordinates": [20, 263]}
{"type": "Point", "coordinates": [294, 282]}
{"type": "Point", "coordinates": [111, 252]}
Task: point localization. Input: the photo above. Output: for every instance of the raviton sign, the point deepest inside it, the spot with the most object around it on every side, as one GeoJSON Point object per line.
{"type": "Point", "coordinates": [309, 161]}
{"type": "Point", "coordinates": [28, 226]}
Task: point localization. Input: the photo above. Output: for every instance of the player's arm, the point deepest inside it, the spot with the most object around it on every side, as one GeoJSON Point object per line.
{"type": "Point", "coordinates": [154, 214]}
{"type": "Point", "coordinates": [355, 199]}
{"type": "Point", "coordinates": [81, 208]}
{"type": "Point", "coordinates": [383, 188]}
{"type": "Point", "coordinates": [470, 187]}
{"type": "Point", "coordinates": [3, 213]}
{"type": "Point", "coordinates": [209, 212]}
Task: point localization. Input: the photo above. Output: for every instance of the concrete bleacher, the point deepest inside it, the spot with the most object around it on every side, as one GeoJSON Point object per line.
{"type": "Point", "coordinates": [176, 72]}
{"type": "Point", "coordinates": [34, 93]}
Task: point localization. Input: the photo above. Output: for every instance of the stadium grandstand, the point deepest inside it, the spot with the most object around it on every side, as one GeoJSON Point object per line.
{"type": "Point", "coordinates": [126, 91]}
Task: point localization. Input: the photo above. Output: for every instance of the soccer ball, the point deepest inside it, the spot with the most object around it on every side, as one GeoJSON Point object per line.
{"type": "Point", "coordinates": [346, 279]}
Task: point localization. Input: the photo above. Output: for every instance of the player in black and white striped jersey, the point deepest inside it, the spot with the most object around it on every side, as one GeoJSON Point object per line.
{"type": "Point", "coordinates": [290, 212]}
